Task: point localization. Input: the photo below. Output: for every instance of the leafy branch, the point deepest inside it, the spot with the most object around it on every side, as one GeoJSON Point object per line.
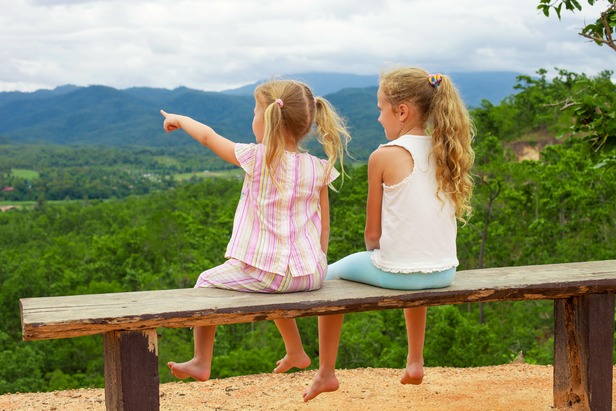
{"type": "Point", "coordinates": [601, 32]}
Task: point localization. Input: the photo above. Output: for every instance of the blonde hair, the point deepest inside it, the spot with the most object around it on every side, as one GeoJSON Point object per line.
{"type": "Point", "coordinates": [290, 110]}
{"type": "Point", "coordinates": [443, 111]}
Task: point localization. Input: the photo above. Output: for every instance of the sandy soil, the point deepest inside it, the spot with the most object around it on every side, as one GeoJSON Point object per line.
{"type": "Point", "coordinates": [505, 387]}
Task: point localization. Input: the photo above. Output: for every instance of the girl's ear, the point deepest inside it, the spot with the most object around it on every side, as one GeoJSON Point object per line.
{"type": "Point", "coordinates": [403, 112]}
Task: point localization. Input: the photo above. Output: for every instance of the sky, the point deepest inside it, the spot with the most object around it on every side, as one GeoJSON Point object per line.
{"type": "Point", "coordinates": [216, 45]}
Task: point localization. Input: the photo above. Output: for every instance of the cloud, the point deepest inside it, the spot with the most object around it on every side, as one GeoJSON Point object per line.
{"type": "Point", "coordinates": [219, 44]}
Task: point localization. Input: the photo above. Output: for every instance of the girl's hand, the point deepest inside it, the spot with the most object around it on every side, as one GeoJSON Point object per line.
{"type": "Point", "coordinates": [204, 134]}
{"type": "Point", "coordinates": [172, 121]}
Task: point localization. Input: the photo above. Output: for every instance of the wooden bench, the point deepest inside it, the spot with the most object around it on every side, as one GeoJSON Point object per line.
{"type": "Point", "coordinates": [583, 295]}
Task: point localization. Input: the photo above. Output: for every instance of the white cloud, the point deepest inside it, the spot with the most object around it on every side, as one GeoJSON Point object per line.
{"type": "Point", "coordinates": [218, 44]}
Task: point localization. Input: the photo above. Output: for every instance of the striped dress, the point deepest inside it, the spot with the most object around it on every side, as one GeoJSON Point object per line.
{"type": "Point", "coordinates": [276, 241]}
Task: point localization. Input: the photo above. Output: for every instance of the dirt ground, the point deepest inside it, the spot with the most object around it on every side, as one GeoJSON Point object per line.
{"type": "Point", "coordinates": [505, 387]}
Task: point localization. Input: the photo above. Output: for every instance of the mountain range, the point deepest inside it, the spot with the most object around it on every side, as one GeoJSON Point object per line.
{"type": "Point", "coordinates": [473, 86]}
{"type": "Point", "coordinates": [100, 115]}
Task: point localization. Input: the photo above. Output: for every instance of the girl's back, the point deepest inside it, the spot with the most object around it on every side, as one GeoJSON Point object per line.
{"type": "Point", "coordinates": [277, 224]}
{"type": "Point", "coordinates": [418, 227]}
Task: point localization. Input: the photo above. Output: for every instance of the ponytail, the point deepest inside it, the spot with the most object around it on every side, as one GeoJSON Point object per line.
{"type": "Point", "coordinates": [452, 134]}
{"type": "Point", "coordinates": [441, 110]}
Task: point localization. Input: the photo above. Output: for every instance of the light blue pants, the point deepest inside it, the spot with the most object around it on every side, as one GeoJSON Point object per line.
{"type": "Point", "coordinates": [358, 267]}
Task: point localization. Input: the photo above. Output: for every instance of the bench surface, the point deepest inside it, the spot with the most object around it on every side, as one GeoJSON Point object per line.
{"type": "Point", "coordinates": [79, 315]}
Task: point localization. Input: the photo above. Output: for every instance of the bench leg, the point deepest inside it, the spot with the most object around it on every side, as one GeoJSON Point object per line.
{"type": "Point", "coordinates": [131, 370]}
{"type": "Point", "coordinates": [583, 351]}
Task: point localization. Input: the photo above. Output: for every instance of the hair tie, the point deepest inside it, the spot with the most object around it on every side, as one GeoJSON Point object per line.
{"type": "Point", "coordinates": [315, 101]}
{"type": "Point", "coordinates": [279, 102]}
{"type": "Point", "coordinates": [435, 79]}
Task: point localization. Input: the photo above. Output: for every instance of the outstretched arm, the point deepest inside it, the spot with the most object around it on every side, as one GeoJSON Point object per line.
{"type": "Point", "coordinates": [222, 147]}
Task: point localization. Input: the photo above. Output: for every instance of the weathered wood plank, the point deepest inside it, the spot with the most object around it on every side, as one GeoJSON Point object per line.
{"type": "Point", "coordinates": [72, 316]}
{"type": "Point", "coordinates": [583, 352]}
{"type": "Point", "coordinates": [131, 370]}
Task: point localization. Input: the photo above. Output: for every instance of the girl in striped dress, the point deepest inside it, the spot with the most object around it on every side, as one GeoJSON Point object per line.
{"type": "Point", "coordinates": [281, 226]}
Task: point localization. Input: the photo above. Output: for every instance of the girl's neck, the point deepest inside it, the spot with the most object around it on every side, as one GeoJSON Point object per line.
{"type": "Point", "coordinates": [291, 146]}
{"type": "Point", "coordinates": [416, 130]}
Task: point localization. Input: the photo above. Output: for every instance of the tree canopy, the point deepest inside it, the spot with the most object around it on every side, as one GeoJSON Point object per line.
{"type": "Point", "coordinates": [601, 31]}
{"type": "Point", "coordinates": [593, 104]}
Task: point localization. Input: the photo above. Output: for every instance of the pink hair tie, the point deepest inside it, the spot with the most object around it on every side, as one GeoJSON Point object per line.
{"type": "Point", "coordinates": [279, 102]}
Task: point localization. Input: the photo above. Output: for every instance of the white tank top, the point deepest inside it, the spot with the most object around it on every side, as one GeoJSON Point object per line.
{"type": "Point", "coordinates": [418, 230]}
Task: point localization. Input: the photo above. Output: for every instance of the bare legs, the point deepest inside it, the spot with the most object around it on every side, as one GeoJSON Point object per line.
{"type": "Point", "coordinates": [330, 327]}
{"type": "Point", "coordinates": [199, 367]}
{"type": "Point", "coordinates": [415, 333]}
{"type": "Point", "coordinates": [329, 339]}
{"type": "Point", "coordinates": [295, 356]}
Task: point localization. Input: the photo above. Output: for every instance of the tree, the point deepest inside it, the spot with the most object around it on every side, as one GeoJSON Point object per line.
{"type": "Point", "coordinates": [601, 31]}
{"type": "Point", "coordinates": [594, 106]}
{"type": "Point", "coordinates": [593, 102]}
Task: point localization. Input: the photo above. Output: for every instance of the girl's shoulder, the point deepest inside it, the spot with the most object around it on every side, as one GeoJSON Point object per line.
{"type": "Point", "coordinates": [246, 148]}
{"type": "Point", "coordinates": [310, 158]}
{"type": "Point", "coordinates": [415, 145]}
{"type": "Point", "coordinates": [390, 157]}
{"type": "Point", "coordinates": [321, 168]}
{"type": "Point", "coordinates": [383, 157]}
{"type": "Point", "coordinates": [384, 152]}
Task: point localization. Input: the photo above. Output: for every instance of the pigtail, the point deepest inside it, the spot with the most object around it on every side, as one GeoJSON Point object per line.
{"type": "Point", "coordinates": [332, 133]}
{"type": "Point", "coordinates": [452, 134]}
{"type": "Point", "coordinates": [273, 138]}
{"type": "Point", "coordinates": [290, 113]}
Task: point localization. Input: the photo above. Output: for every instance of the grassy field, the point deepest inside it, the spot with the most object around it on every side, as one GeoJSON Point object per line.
{"type": "Point", "coordinates": [166, 160]}
{"type": "Point", "coordinates": [209, 174]}
{"type": "Point", "coordinates": [17, 203]}
{"type": "Point", "coordinates": [29, 205]}
{"type": "Point", "coordinates": [31, 174]}
{"type": "Point", "coordinates": [25, 173]}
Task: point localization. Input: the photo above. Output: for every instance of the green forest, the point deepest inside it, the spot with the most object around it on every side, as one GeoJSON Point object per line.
{"type": "Point", "coordinates": [103, 220]}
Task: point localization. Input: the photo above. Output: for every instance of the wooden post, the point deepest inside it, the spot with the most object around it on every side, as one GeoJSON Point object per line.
{"type": "Point", "coordinates": [583, 352]}
{"type": "Point", "coordinates": [131, 370]}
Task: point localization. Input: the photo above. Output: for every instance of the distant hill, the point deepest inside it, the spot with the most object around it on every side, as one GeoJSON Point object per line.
{"type": "Point", "coordinates": [321, 83]}
{"type": "Point", "coordinates": [474, 87]}
{"type": "Point", "coordinates": [106, 116]}
{"type": "Point", "coordinates": [12, 96]}
{"type": "Point", "coordinates": [99, 115]}
{"type": "Point", "coordinates": [493, 86]}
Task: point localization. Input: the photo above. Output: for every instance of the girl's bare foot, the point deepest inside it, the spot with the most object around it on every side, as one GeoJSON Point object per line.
{"type": "Point", "coordinates": [321, 384]}
{"type": "Point", "coordinates": [413, 374]}
{"type": "Point", "coordinates": [292, 361]}
{"type": "Point", "coordinates": [189, 369]}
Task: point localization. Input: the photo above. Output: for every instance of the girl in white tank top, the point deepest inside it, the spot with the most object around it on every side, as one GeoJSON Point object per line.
{"type": "Point", "coordinates": [418, 184]}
